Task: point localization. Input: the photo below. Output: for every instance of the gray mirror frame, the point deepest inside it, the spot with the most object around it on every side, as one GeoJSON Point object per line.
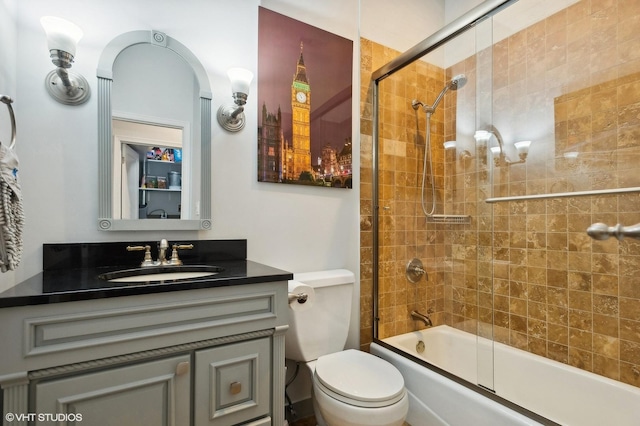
{"type": "Point", "coordinates": [106, 222]}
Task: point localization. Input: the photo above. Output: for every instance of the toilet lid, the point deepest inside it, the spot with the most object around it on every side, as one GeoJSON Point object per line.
{"type": "Point", "coordinates": [360, 378]}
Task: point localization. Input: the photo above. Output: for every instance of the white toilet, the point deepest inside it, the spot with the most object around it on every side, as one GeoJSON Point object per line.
{"type": "Point", "coordinates": [350, 387]}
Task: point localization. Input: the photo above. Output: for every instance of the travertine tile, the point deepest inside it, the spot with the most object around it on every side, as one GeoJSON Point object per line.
{"type": "Point", "coordinates": [527, 266]}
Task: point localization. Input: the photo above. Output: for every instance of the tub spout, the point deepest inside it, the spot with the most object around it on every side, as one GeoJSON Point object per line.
{"type": "Point", "coordinates": [420, 317]}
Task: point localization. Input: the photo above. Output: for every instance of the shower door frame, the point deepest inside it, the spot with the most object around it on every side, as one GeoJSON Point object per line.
{"type": "Point", "coordinates": [467, 21]}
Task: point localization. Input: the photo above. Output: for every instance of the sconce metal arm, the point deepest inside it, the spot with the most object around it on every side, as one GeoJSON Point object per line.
{"type": "Point", "coordinates": [64, 77]}
{"type": "Point", "coordinates": [502, 159]}
{"type": "Point", "coordinates": [237, 111]}
{"type": "Point", "coordinates": [67, 87]}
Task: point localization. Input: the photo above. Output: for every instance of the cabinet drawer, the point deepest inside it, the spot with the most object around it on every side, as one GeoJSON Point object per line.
{"type": "Point", "coordinates": [233, 383]}
{"type": "Point", "coordinates": [154, 393]}
{"type": "Point", "coordinates": [67, 332]}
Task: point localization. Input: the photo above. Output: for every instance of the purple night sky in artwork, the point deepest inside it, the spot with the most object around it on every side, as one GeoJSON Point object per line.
{"type": "Point", "coordinates": [328, 59]}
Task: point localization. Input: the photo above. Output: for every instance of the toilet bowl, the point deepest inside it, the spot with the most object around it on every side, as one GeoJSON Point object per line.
{"type": "Point", "coordinates": [354, 388]}
{"type": "Point", "coordinates": [349, 387]}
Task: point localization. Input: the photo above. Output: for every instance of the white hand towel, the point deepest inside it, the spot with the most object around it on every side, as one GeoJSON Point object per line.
{"type": "Point", "coordinates": [11, 213]}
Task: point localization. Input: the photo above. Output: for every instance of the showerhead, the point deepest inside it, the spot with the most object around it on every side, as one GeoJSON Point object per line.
{"type": "Point", "coordinates": [457, 82]}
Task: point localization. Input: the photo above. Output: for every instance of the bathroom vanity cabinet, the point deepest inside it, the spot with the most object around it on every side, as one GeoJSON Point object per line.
{"type": "Point", "coordinates": [201, 356]}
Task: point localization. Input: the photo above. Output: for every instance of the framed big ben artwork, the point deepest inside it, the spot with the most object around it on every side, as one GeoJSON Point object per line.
{"type": "Point", "coordinates": [304, 103]}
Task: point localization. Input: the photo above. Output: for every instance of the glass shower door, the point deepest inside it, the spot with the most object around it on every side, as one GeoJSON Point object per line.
{"type": "Point", "coordinates": [431, 174]}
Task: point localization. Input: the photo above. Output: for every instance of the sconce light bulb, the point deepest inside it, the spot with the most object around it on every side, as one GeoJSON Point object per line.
{"type": "Point", "coordinates": [482, 136]}
{"type": "Point", "coordinates": [240, 81]}
{"type": "Point", "coordinates": [61, 34]}
{"type": "Point", "coordinates": [495, 150]}
{"type": "Point", "coordinates": [450, 145]}
{"type": "Point", "coordinates": [522, 146]}
{"type": "Point", "coordinates": [571, 155]}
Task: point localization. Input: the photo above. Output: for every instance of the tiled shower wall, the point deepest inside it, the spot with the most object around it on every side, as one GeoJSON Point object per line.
{"type": "Point", "coordinates": [570, 83]}
{"type": "Point", "coordinates": [403, 232]}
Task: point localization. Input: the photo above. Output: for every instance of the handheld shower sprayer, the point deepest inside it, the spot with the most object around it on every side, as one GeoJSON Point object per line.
{"type": "Point", "coordinates": [454, 84]}
{"type": "Point", "coordinates": [458, 81]}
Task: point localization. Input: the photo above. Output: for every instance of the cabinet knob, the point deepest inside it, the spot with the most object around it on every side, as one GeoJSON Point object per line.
{"type": "Point", "coordinates": [182, 368]}
{"type": "Point", "coordinates": [235, 388]}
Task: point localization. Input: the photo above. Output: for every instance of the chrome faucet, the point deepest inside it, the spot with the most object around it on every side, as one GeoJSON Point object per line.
{"type": "Point", "coordinates": [163, 246]}
{"type": "Point", "coordinates": [421, 317]}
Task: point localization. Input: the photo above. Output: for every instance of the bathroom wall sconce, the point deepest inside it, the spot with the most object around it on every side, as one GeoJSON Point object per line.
{"type": "Point", "coordinates": [465, 156]}
{"type": "Point", "coordinates": [64, 86]}
{"type": "Point", "coordinates": [500, 158]}
{"type": "Point", "coordinates": [451, 146]}
{"type": "Point", "coordinates": [231, 117]}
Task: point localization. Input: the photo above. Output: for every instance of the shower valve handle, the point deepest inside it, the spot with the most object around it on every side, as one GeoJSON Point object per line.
{"type": "Point", "coordinates": [601, 231]}
{"type": "Point", "coordinates": [415, 271]}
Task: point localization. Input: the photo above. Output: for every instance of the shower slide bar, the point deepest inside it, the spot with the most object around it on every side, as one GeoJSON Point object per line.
{"type": "Point", "coordinates": [7, 101]}
{"type": "Point", "coordinates": [613, 191]}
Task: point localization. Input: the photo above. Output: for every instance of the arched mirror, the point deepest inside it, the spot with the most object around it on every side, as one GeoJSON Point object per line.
{"type": "Point", "coordinates": [154, 135]}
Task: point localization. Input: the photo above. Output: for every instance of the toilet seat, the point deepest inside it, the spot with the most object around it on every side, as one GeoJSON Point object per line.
{"type": "Point", "coordinates": [359, 378]}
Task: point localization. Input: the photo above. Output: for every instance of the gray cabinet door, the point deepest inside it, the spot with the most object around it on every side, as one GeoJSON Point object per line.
{"type": "Point", "coordinates": [232, 383]}
{"type": "Point", "coordinates": [155, 393]}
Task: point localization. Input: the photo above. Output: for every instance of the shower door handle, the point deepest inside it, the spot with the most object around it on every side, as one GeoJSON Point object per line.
{"type": "Point", "coordinates": [600, 231]}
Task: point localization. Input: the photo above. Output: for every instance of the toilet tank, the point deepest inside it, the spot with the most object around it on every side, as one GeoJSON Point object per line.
{"type": "Point", "coordinates": [322, 328]}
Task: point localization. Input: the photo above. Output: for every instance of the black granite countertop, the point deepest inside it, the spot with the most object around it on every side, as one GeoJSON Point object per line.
{"type": "Point", "coordinates": [60, 282]}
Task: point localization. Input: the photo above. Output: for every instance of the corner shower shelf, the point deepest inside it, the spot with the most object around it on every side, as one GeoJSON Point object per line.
{"type": "Point", "coordinates": [449, 218]}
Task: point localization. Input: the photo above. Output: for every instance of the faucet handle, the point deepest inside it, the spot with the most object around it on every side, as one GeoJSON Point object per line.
{"type": "Point", "coordinates": [147, 261]}
{"type": "Point", "coordinates": [175, 260]}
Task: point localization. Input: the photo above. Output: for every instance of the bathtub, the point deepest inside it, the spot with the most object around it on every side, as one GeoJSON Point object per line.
{"type": "Point", "coordinates": [549, 390]}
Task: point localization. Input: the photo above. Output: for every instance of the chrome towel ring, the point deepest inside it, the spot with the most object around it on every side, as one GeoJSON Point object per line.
{"type": "Point", "coordinates": [7, 100]}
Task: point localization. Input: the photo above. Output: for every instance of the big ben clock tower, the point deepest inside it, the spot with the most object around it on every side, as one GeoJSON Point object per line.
{"type": "Point", "coordinates": [301, 125]}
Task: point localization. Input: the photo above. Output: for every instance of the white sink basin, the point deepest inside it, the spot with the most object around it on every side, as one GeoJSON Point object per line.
{"type": "Point", "coordinates": [160, 273]}
{"type": "Point", "coordinates": [162, 276]}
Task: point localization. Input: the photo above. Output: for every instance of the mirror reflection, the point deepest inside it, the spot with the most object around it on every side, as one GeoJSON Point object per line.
{"type": "Point", "coordinates": [148, 179]}
{"type": "Point", "coordinates": [154, 121]}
